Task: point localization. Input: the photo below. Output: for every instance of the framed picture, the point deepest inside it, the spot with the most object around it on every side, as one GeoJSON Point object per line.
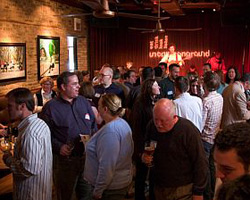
{"type": "Point", "coordinates": [48, 56]}
{"type": "Point", "coordinates": [12, 61]}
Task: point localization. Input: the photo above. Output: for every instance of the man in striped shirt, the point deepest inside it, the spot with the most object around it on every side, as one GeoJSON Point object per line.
{"type": "Point", "coordinates": [212, 114]}
{"type": "Point", "coordinates": [32, 161]}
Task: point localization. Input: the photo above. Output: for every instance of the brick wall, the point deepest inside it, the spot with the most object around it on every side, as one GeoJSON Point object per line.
{"type": "Point", "coordinates": [21, 21]}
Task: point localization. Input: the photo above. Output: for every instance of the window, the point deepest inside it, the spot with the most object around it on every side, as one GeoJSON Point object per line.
{"type": "Point", "coordinates": [72, 50]}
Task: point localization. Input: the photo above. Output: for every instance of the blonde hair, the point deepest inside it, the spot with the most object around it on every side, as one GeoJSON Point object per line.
{"type": "Point", "coordinates": [47, 79]}
{"type": "Point", "coordinates": [114, 104]}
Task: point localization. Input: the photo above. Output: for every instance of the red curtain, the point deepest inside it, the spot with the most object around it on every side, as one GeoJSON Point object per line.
{"type": "Point", "coordinates": [118, 44]}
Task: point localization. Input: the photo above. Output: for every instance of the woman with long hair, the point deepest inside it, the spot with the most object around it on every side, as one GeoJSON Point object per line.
{"type": "Point", "coordinates": [232, 75]}
{"type": "Point", "coordinates": [142, 113]}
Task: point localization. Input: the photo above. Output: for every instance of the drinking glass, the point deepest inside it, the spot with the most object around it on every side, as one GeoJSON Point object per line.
{"type": "Point", "coordinates": [84, 138]}
{"type": "Point", "coordinates": [149, 149]}
{"type": "Point", "coordinates": [5, 145]}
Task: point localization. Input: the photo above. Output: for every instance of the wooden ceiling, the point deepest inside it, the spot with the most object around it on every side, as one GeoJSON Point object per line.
{"type": "Point", "coordinates": [168, 7]}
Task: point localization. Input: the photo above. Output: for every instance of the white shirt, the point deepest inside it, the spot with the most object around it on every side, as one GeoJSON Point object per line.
{"type": "Point", "coordinates": [190, 107]}
{"type": "Point", "coordinates": [172, 58]}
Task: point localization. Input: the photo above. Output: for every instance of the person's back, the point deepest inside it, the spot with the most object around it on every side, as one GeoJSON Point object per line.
{"type": "Point", "coordinates": [190, 107]}
{"type": "Point", "coordinates": [36, 133]}
{"type": "Point", "coordinates": [235, 105]}
{"type": "Point", "coordinates": [187, 106]}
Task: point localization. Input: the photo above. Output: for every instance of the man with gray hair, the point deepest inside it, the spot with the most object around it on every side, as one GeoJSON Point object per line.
{"type": "Point", "coordinates": [180, 165]}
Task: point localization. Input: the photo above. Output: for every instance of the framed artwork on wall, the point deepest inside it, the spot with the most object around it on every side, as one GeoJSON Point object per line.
{"type": "Point", "coordinates": [12, 61]}
{"type": "Point", "coordinates": [48, 56]}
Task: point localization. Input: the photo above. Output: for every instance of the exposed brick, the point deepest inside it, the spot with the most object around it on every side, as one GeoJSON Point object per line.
{"type": "Point", "coordinates": [21, 21]}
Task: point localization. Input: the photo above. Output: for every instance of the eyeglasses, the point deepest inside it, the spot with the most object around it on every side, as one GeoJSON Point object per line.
{"type": "Point", "coordinates": [103, 75]}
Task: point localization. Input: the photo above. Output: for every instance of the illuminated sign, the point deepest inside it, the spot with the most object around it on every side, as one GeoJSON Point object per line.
{"type": "Point", "coordinates": [158, 48]}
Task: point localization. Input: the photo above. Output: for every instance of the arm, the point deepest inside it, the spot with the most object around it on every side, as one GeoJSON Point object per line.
{"type": "Point", "coordinates": [47, 117]}
{"type": "Point", "coordinates": [31, 154]}
{"type": "Point", "coordinates": [108, 147]}
{"type": "Point", "coordinates": [15, 166]}
{"type": "Point", "coordinates": [165, 58]}
{"type": "Point", "coordinates": [3, 131]}
{"type": "Point", "coordinates": [241, 104]}
{"type": "Point", "coordinates": [198, 159]}
{"type": "Point", "coordinates": [204, 114]}
{"type": "Point", "coordinates": [37, 108]}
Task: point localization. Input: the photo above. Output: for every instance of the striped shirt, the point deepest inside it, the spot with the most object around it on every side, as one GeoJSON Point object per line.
{"type": "Point", "coordinates": [32, 161]}
{"type": "Point", "coordinates": [211, 117]}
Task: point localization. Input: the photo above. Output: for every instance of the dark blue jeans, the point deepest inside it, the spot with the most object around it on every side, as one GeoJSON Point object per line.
{"type": "Point", "coordinates": [209, 190]}
{"type": "Point", "coordinates": [68, 178]}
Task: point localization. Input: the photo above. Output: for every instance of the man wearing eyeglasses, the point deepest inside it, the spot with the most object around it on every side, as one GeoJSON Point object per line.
{"type": "Point", "coordinates": [106, 86]}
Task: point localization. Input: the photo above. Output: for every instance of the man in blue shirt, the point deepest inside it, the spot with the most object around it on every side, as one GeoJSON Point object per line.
{"type": "Point", "coordinates": [68, 116]}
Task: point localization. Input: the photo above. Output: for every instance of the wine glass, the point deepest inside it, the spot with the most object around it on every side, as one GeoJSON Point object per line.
{"type": "Point", "coordinates": [149, 149]}
{"type": "Point", "coordinates": [5, 145]}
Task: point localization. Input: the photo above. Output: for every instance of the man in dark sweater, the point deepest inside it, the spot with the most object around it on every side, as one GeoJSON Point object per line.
{"type": "Point", "coordinates": [180, 165]}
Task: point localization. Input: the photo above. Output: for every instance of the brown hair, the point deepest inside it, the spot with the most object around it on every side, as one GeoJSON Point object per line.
{"type": "Point", "coordinates": [87, 90]}
{"type": "Point", "coordinates": [22, 95]}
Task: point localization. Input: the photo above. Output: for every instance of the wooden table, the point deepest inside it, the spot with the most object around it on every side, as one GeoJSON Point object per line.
{"type": "Point", "coordinates": [6, 182]}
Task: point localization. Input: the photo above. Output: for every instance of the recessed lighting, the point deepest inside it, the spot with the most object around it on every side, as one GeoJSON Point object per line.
{"type": "Point", "coordinates": [202, 11]}
{"type": "Point", "coordinates": [214, 9]}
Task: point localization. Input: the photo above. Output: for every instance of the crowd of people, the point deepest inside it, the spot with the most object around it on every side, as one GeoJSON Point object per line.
{"type": "Point", "coordinates": [194, 121]}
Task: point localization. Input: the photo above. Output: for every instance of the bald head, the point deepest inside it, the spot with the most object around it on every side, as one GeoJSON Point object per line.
{"type": "Point", "coordinates": [106, 75]}
{"type": "Point", "coordinates": [164, 115]}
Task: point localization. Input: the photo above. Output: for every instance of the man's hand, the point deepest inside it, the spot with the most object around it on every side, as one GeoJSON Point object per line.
{"type": "Point", "coordinates": [196, 197]}
{"type": "Point", "coordinates": [65, 150]}
{"type": "Point", "coordinates": [96, 197]}
{"type": "Point", "coordinates": [3, 130]}
{"type": "Point", "coordinates": [6, 155]}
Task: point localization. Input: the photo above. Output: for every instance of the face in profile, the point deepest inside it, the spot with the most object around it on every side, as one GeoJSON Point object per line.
{"type": "Point", "coordinates": [105, 76]}
{"type": "Point", "coordinates": [14, 110]}
{"type": "Point", "coordinates": [155, 89]}
{"type": "Point", "coordinates": [228, 165]}
{"type": "Point", "coordinates": [71, 89]}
